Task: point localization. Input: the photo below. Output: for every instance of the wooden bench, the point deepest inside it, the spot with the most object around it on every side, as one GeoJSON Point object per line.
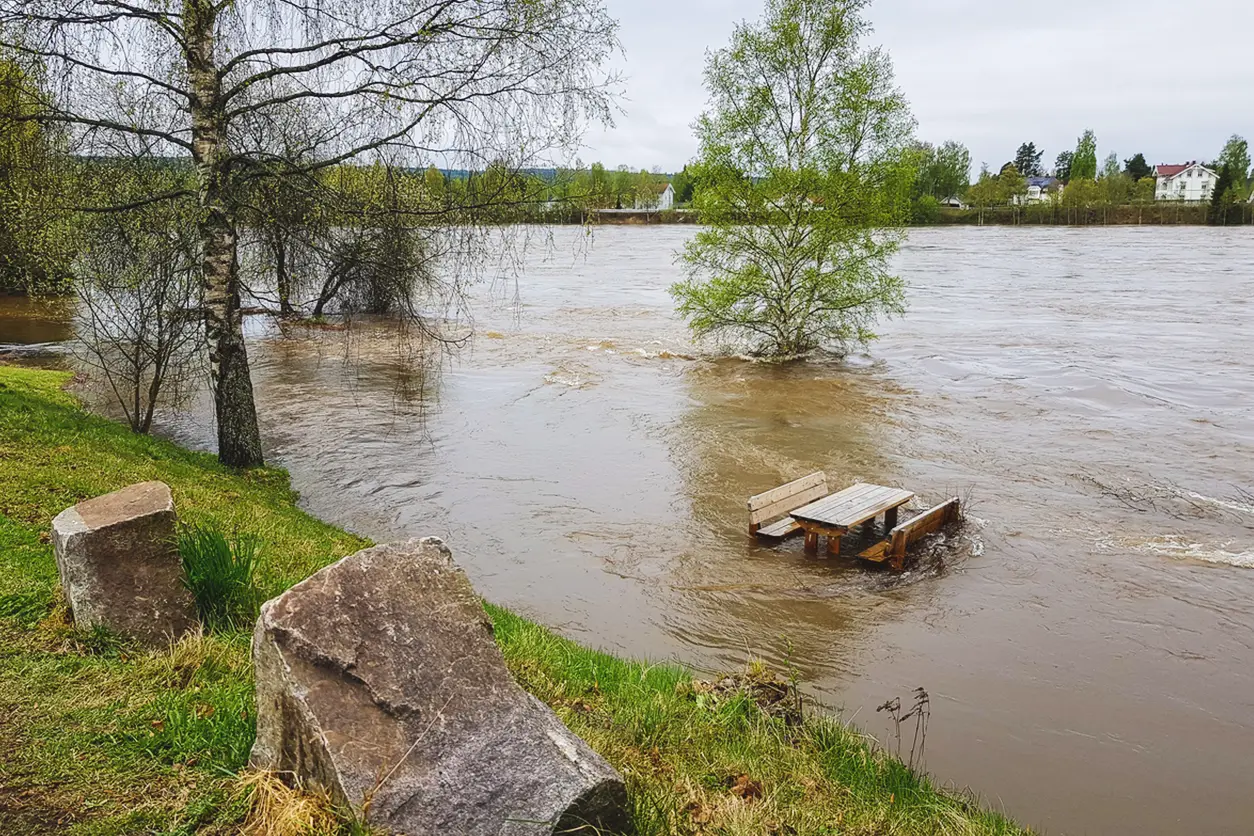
{"type": "Point", "coordinates": [903, 536]}
{"type": "Point", "coordinates": [768, 512]}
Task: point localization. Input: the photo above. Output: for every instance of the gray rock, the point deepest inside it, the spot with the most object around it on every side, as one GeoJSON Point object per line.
{"type": "Point", "coordinates": [119, 564]}
{"type": "Point", "coordinates": [378, 679]}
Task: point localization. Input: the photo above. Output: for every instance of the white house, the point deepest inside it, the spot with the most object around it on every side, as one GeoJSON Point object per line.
{"type": "Point", "coordinates": [1188, 182]}
{"type": "Point", "coordinates": [655, 198]}
{"type": "Point", "coordinates": [1039, 190]}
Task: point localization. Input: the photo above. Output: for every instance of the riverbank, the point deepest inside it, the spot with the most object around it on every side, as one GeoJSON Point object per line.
{"type": "Point", "coordinates": [99, 738]}
{"type": "Point", "coordinates": [1048, 214]}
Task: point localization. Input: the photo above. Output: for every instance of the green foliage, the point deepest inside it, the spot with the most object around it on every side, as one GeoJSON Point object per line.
{"type": "Point", "coordinates": [1225, 197]}
{"type": "Point", "coordinates": [1012, 185]}
{"type": "Point", "coordinates": [1084, 160]}
{"type": "Point", "coordinates": [1028, 160]}
{"type": "Point", "coordinates": [1062, 165]}
{"type": "Point", "coordinates": [944, 171]}
{"type": "Point", "coordinates": [1137, 168]}
{"type": "Point", "coordinates": [220, 574]}
{"type": "Point", "coordinates": [804, 174]}
{"type": "Point", "coordinates": [1236, 156]}
{"type": "Point", "coordinates": [685, 185]}
{"type": "Point", "coordinates": [925, 210]}
{"type": "Point", "coordinates": [36, 237]}
{"type": "Point", "coordinates": [1081, 194]}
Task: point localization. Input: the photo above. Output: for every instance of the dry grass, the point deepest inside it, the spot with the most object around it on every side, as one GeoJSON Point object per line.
{"type": "Point", "coordinates": [279, 810]}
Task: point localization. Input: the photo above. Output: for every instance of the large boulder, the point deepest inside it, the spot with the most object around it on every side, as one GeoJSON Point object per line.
{"type": "Point", "coordinates": [119, 564]}
{"type": "Point", "coordinates": [378, 679]}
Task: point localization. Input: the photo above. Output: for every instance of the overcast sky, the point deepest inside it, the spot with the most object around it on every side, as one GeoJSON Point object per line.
{"type": "Point", "coordinates": [1168, 78]}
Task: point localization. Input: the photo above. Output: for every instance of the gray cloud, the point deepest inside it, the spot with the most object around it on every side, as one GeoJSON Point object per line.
{"type": "Point", "coordinates": [1160, 77]}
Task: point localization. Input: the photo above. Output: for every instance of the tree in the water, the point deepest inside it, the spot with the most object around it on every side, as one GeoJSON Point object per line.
{"type": "Point", "coordinates": [406, 81]}
{"type": "Point", "coordinates": [803, 179]}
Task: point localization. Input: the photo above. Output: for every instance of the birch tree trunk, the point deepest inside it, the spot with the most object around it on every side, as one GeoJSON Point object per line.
{"type": "Point", "coordinates": [239, 439]}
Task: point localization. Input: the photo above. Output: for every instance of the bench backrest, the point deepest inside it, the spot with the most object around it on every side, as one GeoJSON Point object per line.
{"type": "Point", "coordinates": [766, 507]}
{"type": "Point", "coordinates": [914, 530]}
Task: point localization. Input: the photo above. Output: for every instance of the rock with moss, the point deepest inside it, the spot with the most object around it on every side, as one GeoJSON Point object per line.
{"type": "Point", "coordinates": [119, 565]}
{"type": "Point", "coordinates": [378, 680]}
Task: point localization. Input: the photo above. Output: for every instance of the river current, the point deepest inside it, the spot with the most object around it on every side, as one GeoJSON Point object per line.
{"type": "Point", "coordinates": [1087, 641]}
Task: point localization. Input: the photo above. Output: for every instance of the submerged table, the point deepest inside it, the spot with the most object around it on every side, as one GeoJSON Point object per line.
{"type": "Point", "coordinates": [833, 516]}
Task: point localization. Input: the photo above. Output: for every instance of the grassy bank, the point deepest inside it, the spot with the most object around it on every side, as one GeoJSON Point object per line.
{"type": "Point", "coordinates": [1169, 213]}
{"type": "Point", "coordinates": [100, 738]}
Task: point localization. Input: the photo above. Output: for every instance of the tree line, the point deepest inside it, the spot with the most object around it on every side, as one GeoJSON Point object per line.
{"type": "Point", "coordinates": [1081, 183]}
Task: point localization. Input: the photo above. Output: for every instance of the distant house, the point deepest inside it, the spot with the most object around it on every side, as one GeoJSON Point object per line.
{"type": "Point", "coordinates": [656, 197]}
{"type": "Point", "coordinates": [1190, 182]}
{"type": "Point", "coordinates": [1040, 188]}
{"type": "Point", "coordinates": [953, 202]}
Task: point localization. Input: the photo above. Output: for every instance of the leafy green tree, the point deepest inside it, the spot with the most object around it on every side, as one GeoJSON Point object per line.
{"type": "Point", "coordinates": [804, 173]}
{"type": "Point", "coordinates": [1028, 160]}
{"type": "Point", "coordinates": [1081, 195]}
{"type": "Point", "coordinates": [1236, 155]}
{"type": "Point", "coordinates": [1137, 169]}
{"type": "Point", "coordinates": [925, 210]}
{"type": "Point", "coordinates": [985, 192]}
{"type": "Point", "coordinates": [1062, 165]}
{"type": "Point", "coordinates": [1084, 161]}
{"type": "Point", "coordinates": [944, 171]}
{"type": "Point", "coordinates": [1110, 166]}
{"type": "Point", "coordinates": [1012, 185]}
{"type": "Point", "coordinates": [36, 241]}
{"type": "Point", "coordinates": [684, 184]}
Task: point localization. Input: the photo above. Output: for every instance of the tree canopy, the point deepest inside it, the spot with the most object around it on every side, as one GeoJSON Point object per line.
{"type": "Point", "coordinates": [1062, 165]}
{"type": "Point", "coordinates": [808, 138]}
{"type": "Point", "coordinates": [944, 171]}
{"type": "Point", "coordinates": [1137, 168]}
{"type": "Point", "coordinates": [1236, 156]}
{"type": "Point", "coordinates": [1084, 160]}
{"type": "Point", "coordinates": [1028, 160]}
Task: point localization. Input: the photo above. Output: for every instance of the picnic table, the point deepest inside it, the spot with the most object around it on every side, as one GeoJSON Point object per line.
{"type": "Point", "coordinates": [833, 516]}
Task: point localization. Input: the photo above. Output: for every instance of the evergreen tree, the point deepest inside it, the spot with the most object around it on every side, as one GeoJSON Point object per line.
{"type": "Point", "coordinates": [1062, 166]}
{"type": "Point", "coordinates": [1221, 199]}
{"type": "Point", "coordinates": [1028, 160]}
{"type": "Point", "coordinates": [1137, 168]}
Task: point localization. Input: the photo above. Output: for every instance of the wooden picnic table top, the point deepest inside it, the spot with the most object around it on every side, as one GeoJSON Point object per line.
{"type": "Point", "coordinates": [853, 505]}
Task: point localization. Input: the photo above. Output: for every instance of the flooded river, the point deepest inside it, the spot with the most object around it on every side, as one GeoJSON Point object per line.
{"type": "Point", "coordinates": [1088, 643]}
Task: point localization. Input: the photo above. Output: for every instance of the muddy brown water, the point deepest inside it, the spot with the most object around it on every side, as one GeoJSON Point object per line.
{"type": "Point", "coordinates": [1088, 643]}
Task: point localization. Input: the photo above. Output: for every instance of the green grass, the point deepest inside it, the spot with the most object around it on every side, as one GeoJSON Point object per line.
{"type": "Point", "coordinates": [220, 575]}
{"type": "Point", "coordinates": [99, 737]}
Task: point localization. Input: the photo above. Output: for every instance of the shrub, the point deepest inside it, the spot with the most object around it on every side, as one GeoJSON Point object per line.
{"type": "Point", "coordinates": [219, 573]}
{"type": "Point", "coordinates": [925, 211]}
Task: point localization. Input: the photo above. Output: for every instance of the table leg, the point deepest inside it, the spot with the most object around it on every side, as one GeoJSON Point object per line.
{"type": "Point", "coordinates": [833, 546]}
{"type": "Point", "coordinates": [812, 542]}
{"type": "Point", "coordinates": [890, 520]}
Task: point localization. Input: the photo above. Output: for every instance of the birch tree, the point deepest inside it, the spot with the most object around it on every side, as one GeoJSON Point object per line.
{"type": "Point", "coordinates": [452, 82]}
{"type": "Point", "coordinates": [803, 178]}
